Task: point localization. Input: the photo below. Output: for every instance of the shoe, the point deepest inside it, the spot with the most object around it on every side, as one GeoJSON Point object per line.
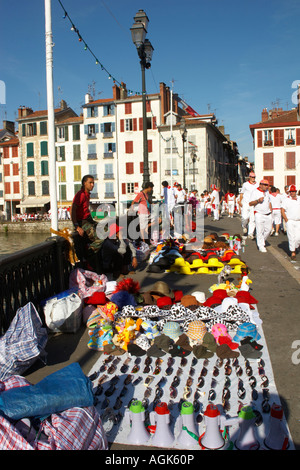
{"type": "Point", "coordinates": [276, 234]}
{"type": "Point", "coordinates": [263, 249]}
{"type": "Point", "coordinates": [245, 230]}
{"type": "Point", "coordinates": [251, 237]}
{"type": "Point", "coordinates": [272, 232]}
{"type": "Point", "coordinates": [293, 256]}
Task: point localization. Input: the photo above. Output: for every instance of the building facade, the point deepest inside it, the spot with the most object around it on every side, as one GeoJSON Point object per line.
{"type": "Point", "coordinates": [10, 184]}
{"type": "Point", "coordinates": [277, 147]}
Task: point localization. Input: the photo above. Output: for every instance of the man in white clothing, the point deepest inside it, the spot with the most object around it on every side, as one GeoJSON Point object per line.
{"type": "Point", "coordinates": [275, 198]}
{"type": "Point", "coordinates": [291, 214]}
{"type": "Point", "coordinates": [247, 212]}
{"type": "Point", "coordinates": [215, 201]}
{"type": "Point", "coordinates": [260, 200]}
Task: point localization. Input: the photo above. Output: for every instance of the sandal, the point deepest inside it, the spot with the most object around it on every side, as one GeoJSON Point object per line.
{"type": "Point", "coordinates": [293, 256]}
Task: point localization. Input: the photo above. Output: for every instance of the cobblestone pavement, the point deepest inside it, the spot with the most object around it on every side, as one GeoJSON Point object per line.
{"type": "Point", "coordinates": [275, 284]}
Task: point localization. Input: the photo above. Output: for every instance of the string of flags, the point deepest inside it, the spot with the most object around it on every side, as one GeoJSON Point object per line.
{"type": "Point", "coordinates": [87, 48]}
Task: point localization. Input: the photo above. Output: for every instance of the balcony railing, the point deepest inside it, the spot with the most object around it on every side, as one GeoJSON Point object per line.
{"type": "Point", "coordinates": [92, 156]}
{"type": "Point", "coordinates": [109, 195]}
{"type": "Point", "coordinates": [109, 176]}
{"type": "Point", "coordinates": [108, 155]}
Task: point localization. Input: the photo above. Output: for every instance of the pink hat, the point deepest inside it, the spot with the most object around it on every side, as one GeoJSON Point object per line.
{"type": "Point", "coordinates": [264, 182]}
{"type": "Point", "coordinates": [218, 329]}
{"type": "Point", "coordinates": [251, 173]}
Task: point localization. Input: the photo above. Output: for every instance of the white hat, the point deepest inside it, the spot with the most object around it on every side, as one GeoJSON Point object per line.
{"type": "Point", "coordinates": [200, 296]}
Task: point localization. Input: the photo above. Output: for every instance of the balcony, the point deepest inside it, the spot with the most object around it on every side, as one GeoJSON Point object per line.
{"type": "Point", "coordinates": [108, 155]}
{"type": "Point", "coordinates": [92, 156]}
{"type": "Point", "coordinates": [109, 176]}
{"type": "Point", "coordinates": [268, 143]}
{"type": "Point", "coordinates": [109, 195]}
{"type": "Point", "coordinates": [107, 135]}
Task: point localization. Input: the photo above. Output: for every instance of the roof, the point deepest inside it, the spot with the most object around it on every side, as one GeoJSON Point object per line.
{"type": "Point", "coordinates": [44, 114]}
{"type": "Point", "coordinates": [11, 142]}
{"type": "Point", "coordinates": [289, 117]}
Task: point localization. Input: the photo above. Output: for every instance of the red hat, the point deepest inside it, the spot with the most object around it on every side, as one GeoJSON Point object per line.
{"type": "Point", "coordinates": [245, 297]}
{"type": "Point", "coordinates": [292, 187]}
{"type": "Point", "coordinates": [163, 301]}
{"type": "Point", "coordinates": [98, 298]}
{"type": "Point", "coordinates": [113, 229]}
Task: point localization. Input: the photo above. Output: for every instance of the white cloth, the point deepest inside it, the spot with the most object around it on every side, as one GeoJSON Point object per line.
{"type": "Point", "coordinates": [263, 225]}
{"type": "Point", "coordinates": [292, 208]}
{"type": "Point", "coordinates": [261, 207]}
{"type": "Point", "coordinates": [181, 196]}
{"type": "Point", "coordinates": [247, 189]}
{"type": "Point", "coordinates": [293, 234]}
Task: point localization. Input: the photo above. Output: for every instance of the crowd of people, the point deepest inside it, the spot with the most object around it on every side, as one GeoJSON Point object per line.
{"type": "Point", "coordinates": [263, 210]}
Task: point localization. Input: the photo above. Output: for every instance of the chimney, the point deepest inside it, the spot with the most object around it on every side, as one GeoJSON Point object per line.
{"type": "Point", "coordinates": [23, 111]}
{"type": "Point", "coordinates": [9, 126]}
{"type": "Point", "coordinates": [264, 115]}
{"type": "Point", "coordinates": [116, 92]}
{"type": "Point", "coordinates": [63, 105]}
{"type": "Point", "coordinates": [123, 91]}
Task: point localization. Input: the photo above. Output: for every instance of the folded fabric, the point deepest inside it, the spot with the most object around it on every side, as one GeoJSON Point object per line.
{"type": "Point", "coordinates": [57, 392]}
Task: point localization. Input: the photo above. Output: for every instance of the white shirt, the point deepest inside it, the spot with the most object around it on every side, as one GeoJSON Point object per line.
{"type": "Point", "coordinates": [292, 208]}
{"type": "Point", "coordinates": [215, 197]}
{"type": "Point", "coordinates": [262, 207]}
{"type": "Point", "coordinates": [275, 201]}
{"type": "Point", "coordinates": [247, 189]}
{"type": "Point", "coordinates": [180, 196]}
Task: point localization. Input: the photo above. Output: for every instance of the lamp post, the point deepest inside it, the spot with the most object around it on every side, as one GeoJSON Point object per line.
{"type": "Point", "coordinates": [183, 132]}
{"type": "Point", "coordinates": [145, 51]}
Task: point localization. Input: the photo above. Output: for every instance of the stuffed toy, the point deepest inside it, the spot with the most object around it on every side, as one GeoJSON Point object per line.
{"type": "Point", "coordinates": [126, 332]}
{"type": "Point", "coordinates": [150, 329]}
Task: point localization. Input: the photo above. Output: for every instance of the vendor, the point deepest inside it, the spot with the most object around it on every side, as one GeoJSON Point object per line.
{"type": "Point", "coordinates": [117, 253]}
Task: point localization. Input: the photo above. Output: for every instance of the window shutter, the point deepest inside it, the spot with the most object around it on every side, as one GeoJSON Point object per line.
{"type": "Point", "coordinates": [298, 136]}
{"type": "Point", "coordinates": [30, 169]}
{"type": "Point", "coordinates": [66, 133]}
{"type": "Point", "coordinates": [290, 179]}
{"type": "Point", "coordinates": [149, 146]}
{"type": "Point", "coordinates": [23, 130]}
{"type": "Point", "coordinates": [29, 149]}
{"type": "Point", "coordinates": [148, 106]}
{"type": "Point", "coordinates": [123, 188]}
{"type": "Point", "coordinates": [278, 137]}
{"type": "Point", "coordinates": [121, 125]}
{"type": "Point", "coordinates": [129, 168]}
{"type": "Point", "coordinates": [134, 122]}
{"type": "Point", "coordinates": [268, 161]}
{"type": "Point", "coordinates": [113, 127]}
{"type": "Point", "coordinates": [154, 126]}
{"type": "Point", "coordinates": [16, 186]}
{"type": "Point", "coordinates": [270, 179]}
{"type": "Point", "coordinates": [102, 128]}
{"type": "Point", "coordinates": [259, 138]}
{"type": "Point", "coordinates": [34, 128]}
{"type": "Point", "coordinates": [141, 124]}
{"type": "Point", "coordinates": [129, 146]}
{"type": "Point", "coordinates": [86, 129]}
{"type": "Point", "coordinates": [154, 167]}
{"type": "Point", "coordinates": [128, 108]}
{"type": "Point", "coordinates": [113, 147]}
{"type": "Point", "coordinates": [290, 162]}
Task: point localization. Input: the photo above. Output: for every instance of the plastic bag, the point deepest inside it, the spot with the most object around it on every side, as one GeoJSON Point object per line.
{"type": "Point", "coordinates": [64, 314]}
{"type": "Point", "coordinates": [87, 282]}
{"type": "Point", "coordinates": [23, 343]}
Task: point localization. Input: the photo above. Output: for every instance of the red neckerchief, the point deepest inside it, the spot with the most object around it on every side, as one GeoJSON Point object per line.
{"type": "Point", "coordinates": [261, 190]}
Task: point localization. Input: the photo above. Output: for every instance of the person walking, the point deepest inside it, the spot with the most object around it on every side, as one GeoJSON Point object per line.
{"type": "Point", "coordinates": [290, 211]}
{"type": "Point", "coordinates": [144, 199]}
{"type": "Point", "coordinates": [260, 200]}
{"type": "Point", "coordinates": [275, 198]}
{"type": "Point", "coordinates": [215, 201]}
{"type": "Point", "coordinates": [247, 213]}
{"type": "Point", "coordinates": [230, 204]}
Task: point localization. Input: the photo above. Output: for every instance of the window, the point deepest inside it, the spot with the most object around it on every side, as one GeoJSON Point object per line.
{"type": "Point", "coordinates": [109, 149]}
{"type": "Point", "coordinates": [128, 108]}
{"type": "Point", "coordinates": [44, 148]}
{"type": "Point", "coordinates": [128, 124]}
{"type": "Point", "coordinates": [31, 188]}
{"type": "Point", "coordinates": [107, 129]}
{"type": "Point", "coordinates": [290, 161]}
{"type": "Point", "coordinates": [62, 192]}
{"type": "Point", "coordinates": [109, 110]}
{"type": "Point", "coordinates": [29, 149]}
{"type": "Point", "coordinates": [290, 136]}
{"type": "Point", "coordinates": [270, 179]}
{"type": "Point", "coordinates": [43, 128]}
{"type": "Point", "coordinates": [129, 146]}
{"type": "Point", "coordinates": [108, 171]}
{"type": "Point", "coordinates": [31, 129]}
{"type": "Point", "coordinates": [45, 188]}
{"type": "Point", "coordinates": [77, 188]}
{"type": "Point", "coordinates": [94, 193]}
{"type": "Point", "coordinates": [290, 179]}
{"type": "Point", "coordinates": [76, 152]}
{"type": "Point", "coordinates": [130, 188]}
{"type": "Point", "coordinates": [92, 153]}
{"type": "Point", "coordinates": [62, 174]}
{"type": "Point", "coordinates": [77, 173]}
{"type": "Point", "coordinates": [44, 168]}
{"type": "Point", "coordinates": [268, 137]}
{"type": "Point", "coordinates": [268, 161]}
{"type": "Point", "coordinates": [93, 170]}
{"type": "Point", "coordinates": [91, 130]}
{"type": "Point", "coordinates": [76, 132]}
{"type": "Point", "coordinates": [63, 133]}
{"type": "Point", "coordinates": [15, 169]}
{"type": "Point", "coordinates": [7, 188]}
{"type": "Point", "coordinates": [109, 190]}
{"type": "Point", "coordinates": [60, 153]}
{"type": "Point", "coordinates": [92, 111]}
{"type": "Point", "coordinates": [30, 168]}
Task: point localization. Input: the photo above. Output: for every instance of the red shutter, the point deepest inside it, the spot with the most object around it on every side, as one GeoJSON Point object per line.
{"type": "Point", "coordinates": [259, 138]}
{"type": "Point", "coordinates": [15, 169]}
{"type": "Point", "coordinates": [141, 167]}
{"type": "Point", "coordinates": [129, 168]}
{"type": "Point", "coordinates": [134, 122]}
{"type": "Point", "coordinates": [7, 188]}
{"type": "Point", "coordinates": [290, 162]}
{"type": "Point", "coordinates": [127, 108]}
{"type": "Point", "coordinates": [121, 125]}
{"type": "Point", "coordinates": [291, 179]}
{"type": "Point", "coordinates": [268, 161]}
{"type": "Point", "coordinates": [278, 137]}
{"type": "Point", "coordinates": [154, 126]}
{"type": "Point", "coordinates": [154, 167]}
{"type": "Point", "coordinates": [6, 169]}
{"type": "Point", "coordinates": [298, 136]}
{"type": "Point", "coordinates": [123, 188]}
{"type": "Point", "coordinates": [149, 145]}
{"type": "Point", "coordinates": [16, 187]}
{"type": "Point", "coordinates": [148, 106]}
{"type": "Point", "coordinates": [140, 124]}
{"type": "Point", "coordinates": [129, 146]}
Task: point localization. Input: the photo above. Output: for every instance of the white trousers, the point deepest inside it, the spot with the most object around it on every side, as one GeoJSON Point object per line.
{"type": "Point", "coordinates": [248, 220]}
{"type": "Point", "coordinates": [263, 225]}
{"type": "Point", "coordinates": [293, 234]}
{"type": "Point", "coordinates": [216, 212]}
{"type": "Point", "coordinates": [276, 216]}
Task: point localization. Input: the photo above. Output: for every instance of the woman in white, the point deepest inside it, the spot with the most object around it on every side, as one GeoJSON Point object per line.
{"type": "Point", "coordinates": [231, 204]}
{"type": "Point", "coordinates": [291, 214]}
{"type": "Point", "coordinates": [260, 200]}
{"type": "Point", "coordinates": [215, 201]}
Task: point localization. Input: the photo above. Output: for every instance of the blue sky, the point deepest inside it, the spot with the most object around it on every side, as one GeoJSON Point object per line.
{"type": "Point", "coordinates": [230, 57]}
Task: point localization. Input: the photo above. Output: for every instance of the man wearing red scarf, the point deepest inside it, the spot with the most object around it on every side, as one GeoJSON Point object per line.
{"type": "Point", "coordinates": [260, 200]}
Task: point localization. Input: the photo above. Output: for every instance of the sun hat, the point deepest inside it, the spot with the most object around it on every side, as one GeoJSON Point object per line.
{"type": "Point", "coordinates": [163, 301]}
{"type": "Point", "coordinates": [218, 329]}
{"type": "Point", "coordinates": [246, 329]}
{"type": "Point", "coordinates": [245, 297]}
{"type": "Point", "coordinates": [188, 300]}
{"type": "Point", "coordinates": [200, 296]}
{"type": "Point", "coordinates": [196, 330]}
{"type": "Point", "coordinates": [172, 329]}
{"type": "Point", "coordinates": [228, 302]}
{"type": "Point", "coordinates": [162, 288]}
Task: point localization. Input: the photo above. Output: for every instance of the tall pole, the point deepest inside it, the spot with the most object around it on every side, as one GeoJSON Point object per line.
{"type": "Point", "coordinates": [146, 175]}
{"type": "Point", "coordinates": [50, 107]}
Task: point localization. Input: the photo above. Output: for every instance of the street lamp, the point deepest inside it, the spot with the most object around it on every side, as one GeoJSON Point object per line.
{"type": "Point", "coordinates": [183, 132]}
{"type": "Point", "coordinates": [145, 51]}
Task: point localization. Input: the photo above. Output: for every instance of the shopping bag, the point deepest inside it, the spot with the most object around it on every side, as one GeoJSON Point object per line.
{"type": "Point", "coordinates": [64, 314]}
{"type": "Point", "coordinates": [87, 282]}
{"type": "Point", "coordinates": [23, 343]}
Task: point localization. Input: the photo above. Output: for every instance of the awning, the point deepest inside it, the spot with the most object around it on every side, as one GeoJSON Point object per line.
{"type": "Point", "coordinates": [33, 202]}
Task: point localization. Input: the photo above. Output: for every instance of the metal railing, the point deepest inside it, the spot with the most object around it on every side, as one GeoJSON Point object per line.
{"type": "Point", "coordinates": [32, 275]}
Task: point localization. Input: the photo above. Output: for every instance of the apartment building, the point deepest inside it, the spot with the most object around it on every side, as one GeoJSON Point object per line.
{"type": "Point", "coordinates": [10, 187]}
{"type": "Point", "coordinates": [277, 146]}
